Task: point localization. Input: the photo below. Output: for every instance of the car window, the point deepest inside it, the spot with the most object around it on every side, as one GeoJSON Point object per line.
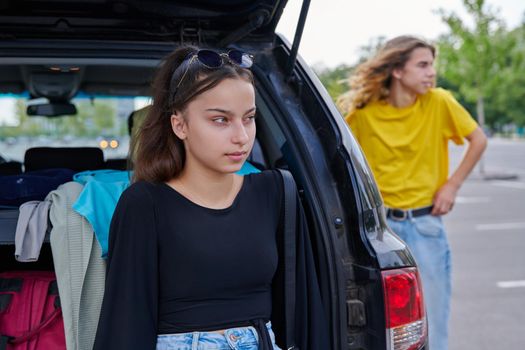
{"type": "Point", "coordinates": [101, 121]}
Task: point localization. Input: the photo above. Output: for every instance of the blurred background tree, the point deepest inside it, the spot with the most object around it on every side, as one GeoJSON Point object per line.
{"type": "Point", "coordinates": [479, 59]}
{"type": "Point", "coordinates": [336, 80]}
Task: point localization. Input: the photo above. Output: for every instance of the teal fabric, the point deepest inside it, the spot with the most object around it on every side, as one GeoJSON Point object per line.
{"type": "Point", "coordinates": [102, 190]}
{"type": "Point", "coordinates": [97, 202]}
{"type": "Point", "coordinates": [247, 168]}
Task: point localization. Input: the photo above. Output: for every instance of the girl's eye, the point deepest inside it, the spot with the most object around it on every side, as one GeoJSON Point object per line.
{"type": "Point", "coordinates": [220, 120]}
{"type": "Point", "coordinates": [249, 119]}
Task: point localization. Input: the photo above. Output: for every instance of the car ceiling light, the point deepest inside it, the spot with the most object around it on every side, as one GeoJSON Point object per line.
{"type": "Point", "coordinates": [64, 69]}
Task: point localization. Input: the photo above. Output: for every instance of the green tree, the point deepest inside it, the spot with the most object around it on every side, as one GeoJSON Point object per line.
{"type": "Point", "coordinates": [474, 58]}
{"type": "Point", "coordinates": [370, 49]}
{"type": "Point", "coordinates": [509, 94]}
{"type": "Point", "coordinates": [335, 80]}
{"type": "Point", "coordinates": [104, 115]}
{"type": "Point", "coordinates": [28, 126]}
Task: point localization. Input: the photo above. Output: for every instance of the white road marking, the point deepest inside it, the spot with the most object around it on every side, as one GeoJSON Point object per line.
{"type": "Point", "coordinates": [509, 184]}
{"type": "Point", "coordinates": [500, 226]}
{"type": "Point", "coordinates": [463, 200]}
{"type": "Point", "coordinates": [511, 284]}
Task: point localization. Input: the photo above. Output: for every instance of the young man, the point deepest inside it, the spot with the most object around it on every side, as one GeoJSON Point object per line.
{"type": "Point", "coordinates": [403, 125]}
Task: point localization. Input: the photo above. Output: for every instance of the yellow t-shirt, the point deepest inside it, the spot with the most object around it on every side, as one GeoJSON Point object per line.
{"type": "Point", "coordinates": [407, 148]}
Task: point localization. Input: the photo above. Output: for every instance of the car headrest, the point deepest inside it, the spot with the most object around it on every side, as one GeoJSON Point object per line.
{"type": "Point", "coordinates": [74, 158]}
{"type": "Point", "coordinates": [135, 120]}
{"type": "Point", "coordinates": [10, 168]}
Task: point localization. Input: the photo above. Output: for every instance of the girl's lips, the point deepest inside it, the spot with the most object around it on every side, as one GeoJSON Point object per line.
{"type": "Point", "coordinates": [236, 156]}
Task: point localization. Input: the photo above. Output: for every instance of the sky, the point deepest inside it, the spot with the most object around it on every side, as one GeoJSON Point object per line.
{"type": "Point", "coordinates": [336, 29]}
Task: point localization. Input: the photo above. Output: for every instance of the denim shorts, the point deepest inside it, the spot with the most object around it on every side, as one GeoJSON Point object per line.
{"type": "Point", "coordinates": [242, 338]}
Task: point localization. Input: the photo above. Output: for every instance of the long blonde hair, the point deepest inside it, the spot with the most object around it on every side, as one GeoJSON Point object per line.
{"type": "Point", "coordinates": [371, 80]}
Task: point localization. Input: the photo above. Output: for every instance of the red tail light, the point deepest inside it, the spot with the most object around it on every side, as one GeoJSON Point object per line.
{"type": "Point", "coordinates": [404, 309]}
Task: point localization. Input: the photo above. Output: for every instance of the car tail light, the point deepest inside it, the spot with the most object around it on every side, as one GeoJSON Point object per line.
{"type": "Point", "coordinates": [406, 326]}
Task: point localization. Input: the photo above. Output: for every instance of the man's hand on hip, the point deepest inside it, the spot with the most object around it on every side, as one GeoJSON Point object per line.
{"type": "Point", "coordinates": [446, 195]}
{"type": "Point", "coordinates": [444, 199]}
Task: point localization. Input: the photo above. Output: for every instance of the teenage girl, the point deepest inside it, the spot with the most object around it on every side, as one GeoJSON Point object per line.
{"type": "Point", "coordinates": [194, 254]}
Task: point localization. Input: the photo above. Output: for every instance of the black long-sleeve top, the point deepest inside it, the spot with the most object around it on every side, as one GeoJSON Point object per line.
{"type": "Point", "coordinates": [174, 266]}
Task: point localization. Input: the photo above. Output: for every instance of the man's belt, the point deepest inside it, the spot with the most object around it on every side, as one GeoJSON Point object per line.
{"type": "Point", "coordinates": [402, 214]}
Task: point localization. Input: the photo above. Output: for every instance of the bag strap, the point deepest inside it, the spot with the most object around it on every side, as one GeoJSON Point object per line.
{"type": "Point", "coordinates": [15, 284]}
{"type": "Point", "coordinates": [3, 342]}
{"type": "Point", "coordinates": [25, 337]}
{"type": "Point", "coordinates": [290, 209]}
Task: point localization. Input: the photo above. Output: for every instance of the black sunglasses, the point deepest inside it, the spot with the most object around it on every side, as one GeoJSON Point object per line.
{"type": "Point", "coordinates": [211, 59]}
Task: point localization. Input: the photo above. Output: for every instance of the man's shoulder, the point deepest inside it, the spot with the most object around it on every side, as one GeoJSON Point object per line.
{"type": "Point", "coordinates": [438, 94]}
{"type": "Point", "coordinates": [371, 108]}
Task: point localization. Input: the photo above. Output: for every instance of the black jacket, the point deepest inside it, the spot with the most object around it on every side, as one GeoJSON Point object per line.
{"type": "Point", "coordinates": [129, 311]}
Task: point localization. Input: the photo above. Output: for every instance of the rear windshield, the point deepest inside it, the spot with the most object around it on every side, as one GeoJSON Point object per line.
{"type": "Point", "coordinates": [101, 121]}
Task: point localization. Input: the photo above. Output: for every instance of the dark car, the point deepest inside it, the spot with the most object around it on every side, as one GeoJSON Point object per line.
{"type": "Point", "coordinates": [110, 49]}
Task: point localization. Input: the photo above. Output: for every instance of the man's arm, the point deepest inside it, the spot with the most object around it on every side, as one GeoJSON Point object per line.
{"type": "Point", "coordinates": [446, 195]}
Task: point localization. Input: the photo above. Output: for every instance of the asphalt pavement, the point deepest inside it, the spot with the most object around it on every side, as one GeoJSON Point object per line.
{"type": "Point", "coordinates": [487, 238]}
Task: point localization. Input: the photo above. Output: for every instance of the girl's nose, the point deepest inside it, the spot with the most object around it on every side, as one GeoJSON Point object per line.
{"type": "Point", "coordinates": [240, 134]}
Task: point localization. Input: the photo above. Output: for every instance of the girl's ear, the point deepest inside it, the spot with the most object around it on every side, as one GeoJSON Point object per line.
{"type": "Point", "coordinates": [178, 125]}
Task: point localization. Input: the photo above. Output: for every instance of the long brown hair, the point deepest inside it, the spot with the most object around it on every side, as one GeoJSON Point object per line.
{"type": "Point", "coordinates": [371, 80]}
{"type": "Point", "coordinates": [159, 154]}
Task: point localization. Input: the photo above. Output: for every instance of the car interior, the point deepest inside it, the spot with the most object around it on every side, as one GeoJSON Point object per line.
{"type": "Point", "coordinates": [58, 84]}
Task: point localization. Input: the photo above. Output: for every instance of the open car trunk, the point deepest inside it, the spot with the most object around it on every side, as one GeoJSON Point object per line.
{"type": "Point", "coordinates": [219, 23]}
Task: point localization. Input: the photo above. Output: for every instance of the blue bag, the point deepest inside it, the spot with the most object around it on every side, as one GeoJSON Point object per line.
{"type": "Point", "coordinates": [33, 185]}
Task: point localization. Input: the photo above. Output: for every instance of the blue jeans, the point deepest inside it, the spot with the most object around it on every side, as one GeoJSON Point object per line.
{"type": "Point", "coordinates": [426, 238]}
{"type": "Point", "coordinates": [242, 338]}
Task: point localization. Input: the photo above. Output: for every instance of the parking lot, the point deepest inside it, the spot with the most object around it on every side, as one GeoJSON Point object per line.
{"type": "Point", "coordinates": [487, 238]}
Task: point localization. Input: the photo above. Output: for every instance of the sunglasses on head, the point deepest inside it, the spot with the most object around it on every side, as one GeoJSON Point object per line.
{"type": "Point", "coordinates": [211, 59]}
